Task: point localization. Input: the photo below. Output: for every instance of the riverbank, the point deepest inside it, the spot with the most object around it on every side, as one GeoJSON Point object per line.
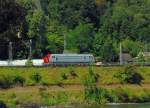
{"type": "Point", "coordinates": [71, 95]}
{"type": "Point", "coordinates": [64, 86]}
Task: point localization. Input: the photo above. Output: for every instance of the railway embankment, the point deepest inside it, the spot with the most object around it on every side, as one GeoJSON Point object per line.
{"type": "Point", "coordinates": [48, 86]}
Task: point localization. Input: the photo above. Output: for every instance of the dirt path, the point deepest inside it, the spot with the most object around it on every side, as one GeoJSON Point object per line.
{"type": "Point", "coordinates": [53, 88]}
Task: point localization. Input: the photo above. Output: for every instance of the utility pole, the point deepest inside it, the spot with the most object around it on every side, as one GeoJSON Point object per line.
{"type": "Point", "coordinates": [10, 56]}
{"type": "Point", "coordinates": [146, 48]}
{"type": "Point", "coordinates": [30, 49]}
{"type": "Point", "coordinates": [121, 61]}
{"type": "Point", "coordinates": [65, 44]}
{"type": "Point", "coordinates": [38, 4]}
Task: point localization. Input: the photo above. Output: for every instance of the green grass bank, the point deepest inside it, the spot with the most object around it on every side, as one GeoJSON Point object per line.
{"type": "Point", "coordinates": [70, 75]}
{"type": "Point", "coordinates": [48, 86]}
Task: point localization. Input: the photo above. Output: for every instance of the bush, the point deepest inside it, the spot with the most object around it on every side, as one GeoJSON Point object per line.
{"type": "Point", "coordinates": [2, 104]}
{"type": "Point", "coordinates": [96, 76]}
{"type": "Point", "coordinates": [64, 76]}
{"type": "Point", "coordinates": [98, 59]}
{"type": "Point", "coordinates": [6, 81]}
{"type": "Point", "coordinates": [123, 95]}
{"type": "Point", "coordinates": [29, 63]}
{"type": "Point", "coordinates": [72, 72]}
{"type": "Point", "coordinates": [130, 75]}
{"type": "Point", "coordinates": [18, 80]}
{"type": "Point", "coordinates": [10, 81]}
{"type": "Point", "coordinates": [111, 96]}
{"type": "Point", "coordinates": [54, 99]}
{"type": "Point", "coordinates": [36, 77]}
{"type": "Point", "coordinates": [93, 94]}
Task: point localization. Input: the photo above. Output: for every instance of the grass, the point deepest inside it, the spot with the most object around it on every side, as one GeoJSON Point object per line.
{"type": "Point", "coordinates": [32, 93]}
{"type": "Point", "coordinates": [44, 98]}
{"type": "Point", "coordinates": [54, 75]}
{"type": "Point", "coordinates": [50, 98]}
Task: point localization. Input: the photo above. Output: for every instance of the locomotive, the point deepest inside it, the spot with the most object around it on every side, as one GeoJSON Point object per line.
{"type": "Point", "coordinates": [70, 59]}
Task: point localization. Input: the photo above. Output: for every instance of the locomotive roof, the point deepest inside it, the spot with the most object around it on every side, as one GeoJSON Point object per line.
{"type": "Point", "coordinates": [72, 55]}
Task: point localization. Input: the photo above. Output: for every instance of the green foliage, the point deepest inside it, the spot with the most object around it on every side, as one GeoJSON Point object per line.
{"type": "Point", "coordinates": [55, 43]}
{"type": "Point", "coordinates": [51, 100]}
{"type": "Point", "coordinates": [81, 38]}
{"type": "Point", "coordinates": [113, 21]}
{"type": "Point", "coordinates": [126, 19]}
{"type": "Point", "coordinates": [92, 93]}
{"type": "Point", "coordinates": [132, 47]}
{"type": "Point", "coordinates": [105, 48]}
{"type": "Point", "coordinates": [27, 4]}
{"type": "Point", "coordinates": [37, 30]}
{"type": "Point", "coordinates": [130, 75]}
{"type": "Point", "coordinates": [64, 76]}
{"type": "Point", "coordinates": [2, 104]}
{"type": "Point", "coordinates": [29, 63]}
{"type": "Point", "coordinates": [18, 80]}
{"type": "Point", "coordinates": [7, 81]}
{"type": "Point", "coordinates": [128, 95]}
{"type": "Point", "coordinates": [36, 77]}
{"type": "Point", "coordinates": [71, 13]}
{"type": "Point", "coordinates": [12, 19]}
{"type": "Point", "coordinates": [141, 59]}
{"type": "Point", "coordinates": [10, 26]}
{"type": "Point", "coordinates": [72, 72]}
{"type": "Point", "coordinates": [90, 26]}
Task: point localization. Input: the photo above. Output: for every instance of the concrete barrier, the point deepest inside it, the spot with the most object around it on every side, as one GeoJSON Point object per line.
{"type": "Point", "coordinates": [36, 62]}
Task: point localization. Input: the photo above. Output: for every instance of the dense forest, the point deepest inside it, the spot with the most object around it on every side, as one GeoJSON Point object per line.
{"type": "Point", "coordinates": [87, 26]}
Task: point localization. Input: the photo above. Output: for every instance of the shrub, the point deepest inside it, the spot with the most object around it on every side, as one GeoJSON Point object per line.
{"type": "Point", "coordinates": [18, 80]}
{"type": "Point", "coordinates": [64, 76]}
{"type": "Point", "coordinates": [98, 59]}
{"type": "Point", "coordinates": [111, 97]}
{"type": "Point", "coordinates": [141, 59]}
{"type": "Point", "coordinates": [130, 75]}
{"type": "Point", "coordinates": [36, 77]}
{"type": "Point", "coordinates": [51, 100]}
{"type": "Point", "coordinates": [96, 76]}
{"type": "Point", "coordinates": [2, 104]}
{"type": "Point", "coordinates": [6, 81]}
{"type": "Point", "coordinates": [123, 95]}
{"type": "Point", "coordinates": [29, 63]}
{"type": "Point", "coordinates": [92, 93]}
{"type": "Point", "coordinates": [72, 72]}
{"type": "Point", "coordinates": [10, 81]}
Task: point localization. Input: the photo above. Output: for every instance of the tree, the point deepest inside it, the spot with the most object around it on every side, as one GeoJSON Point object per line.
{"type": "Point", "coordinates": [132, 47]}
{"type": "Point", "coordinates": [104, 48]}
{"type": "Point", "coordinates": [98, 42]}
{"type": "Point", "coordinates": [71, 13]}
{"type": "Point", "coordinates": [29, 5]}
{"type": "Point", "coordinates": [127, 19]}
{"type": "Point", "coordinates": [108, 51]}
{"type": "Point", "coordinates": [55, 43]}
{"type": "Point", "coordinates": [81, 38]}
{"type": "Point", "coordinates": [36, 23]}
{"type": "Point", "coordinates": [36, 26]}
{"type": "Point", "coordinates": [114, 21]}
{"type": "Point", "coordinates": [12, 16]}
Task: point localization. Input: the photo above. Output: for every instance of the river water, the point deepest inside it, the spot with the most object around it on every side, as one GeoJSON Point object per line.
{"type": "Point", "coordinates": [119, 106]}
